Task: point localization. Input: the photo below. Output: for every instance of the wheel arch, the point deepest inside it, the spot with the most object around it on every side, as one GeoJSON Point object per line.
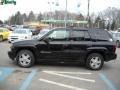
{"type": "Point", "coordinates": [98, 52]}
{"type": "Point", "coordinates": [26, 48]}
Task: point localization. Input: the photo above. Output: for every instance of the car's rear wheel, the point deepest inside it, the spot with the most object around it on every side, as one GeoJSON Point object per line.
{"type": "Point", "coordinates": [25, 58]}
{"type": "Point", "coordinates": [1, 38]}
{"type": "Point", "coordinates": [95, 61]}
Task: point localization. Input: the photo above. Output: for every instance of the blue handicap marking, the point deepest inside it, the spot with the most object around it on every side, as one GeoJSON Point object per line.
{"type": "Point", "coordinates": [5, 72]}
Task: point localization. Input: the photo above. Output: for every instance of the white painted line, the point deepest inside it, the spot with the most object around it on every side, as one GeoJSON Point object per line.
{"type": "Point", "coordinates": [68, 76]}
{"type": "Point", "coordinates": [69, 72]}
{"type": "Point", "coordinates": [60, 84]}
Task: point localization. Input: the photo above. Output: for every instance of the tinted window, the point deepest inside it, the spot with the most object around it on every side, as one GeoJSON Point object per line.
{"type": "Point", "coordinates": [87, 36]}
{"type": "Point", "coordinates": [102, 35]}
{"type": "Point", "coordinates": [59, 35]}
{"type": "Point", "coordinates": [79, 35]}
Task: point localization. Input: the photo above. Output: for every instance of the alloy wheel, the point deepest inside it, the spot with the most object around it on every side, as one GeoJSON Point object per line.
{"type": "Point", "coordinates": [95, 62]}
{"type": "Point", "coordinates": [24, 59]}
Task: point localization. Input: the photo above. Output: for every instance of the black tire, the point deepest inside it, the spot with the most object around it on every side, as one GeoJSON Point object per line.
{"type": "Point", "coordinates": [31, 58]}
{"type": "Point", "coordinates": [1, 38]}
{"type": "Point", "coordinates": [93, 56]}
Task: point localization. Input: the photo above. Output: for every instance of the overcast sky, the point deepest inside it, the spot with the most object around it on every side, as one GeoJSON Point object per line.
{"type": "Point", "coordinates": [25, 6]}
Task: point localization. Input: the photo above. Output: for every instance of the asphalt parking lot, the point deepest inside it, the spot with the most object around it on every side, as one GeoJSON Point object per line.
{"type": "Point", "coordinates": [57, 76]}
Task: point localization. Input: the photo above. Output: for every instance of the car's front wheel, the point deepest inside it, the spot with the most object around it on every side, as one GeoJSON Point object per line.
{"type": "Point", "coordinates": [25, 58]}
{"type": "Point", "coordinates": [95, 61]}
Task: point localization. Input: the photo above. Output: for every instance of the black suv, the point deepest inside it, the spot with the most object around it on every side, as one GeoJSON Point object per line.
{"type": "Point", "coordinates": [89, 46]}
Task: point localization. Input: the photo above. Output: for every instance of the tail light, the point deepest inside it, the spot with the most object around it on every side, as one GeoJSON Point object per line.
{"type": "Point", "coordinates": [114, 48]}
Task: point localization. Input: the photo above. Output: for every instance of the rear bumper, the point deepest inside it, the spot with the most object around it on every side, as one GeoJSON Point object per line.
{"type": "Point", "coordinates": [111, 56]}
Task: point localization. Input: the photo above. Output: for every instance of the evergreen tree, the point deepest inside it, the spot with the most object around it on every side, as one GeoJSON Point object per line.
{"type": "Point", "coordinates": [24, 16]}
{"type": "Point", "coordinates": [31, 17]}
{"type": "Point", "coordinates": [40, 17]}
{"type": "Point", "coordinates": [108, 26]}
{"type": "Point", "coordinates": [1, 22]}
{"type": "Point", "coordinates": [113, 25]}
{"type": "Point", "coordinates": [18, 18]}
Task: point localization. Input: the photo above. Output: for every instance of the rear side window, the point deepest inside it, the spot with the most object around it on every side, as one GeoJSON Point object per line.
{"type": "Point", "coordinates": [80, 35]}
{"type": "Point", "coordinates": [102, 35]}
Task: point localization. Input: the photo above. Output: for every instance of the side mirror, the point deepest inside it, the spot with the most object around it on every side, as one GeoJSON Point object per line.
{"type": "Point", "coordinates": [46, 40]}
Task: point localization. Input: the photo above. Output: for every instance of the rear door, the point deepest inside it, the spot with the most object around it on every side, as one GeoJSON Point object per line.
{"type": "Point", "coordinates": [80, 42]}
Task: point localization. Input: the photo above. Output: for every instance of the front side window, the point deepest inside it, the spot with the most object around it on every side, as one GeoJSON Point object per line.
{"type": "Point", "coordinates": [59, 35]}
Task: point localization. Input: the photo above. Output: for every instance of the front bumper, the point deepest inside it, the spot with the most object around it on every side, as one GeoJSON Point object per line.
{"type": "Point", "coordinates": [111, 56]}
{"type": "Point", "coordinates": [11, 55]}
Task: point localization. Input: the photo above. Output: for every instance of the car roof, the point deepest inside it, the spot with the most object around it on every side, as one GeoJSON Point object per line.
{"type": "Point", "coordinates": [70, 28]}
{"type": "Point", "coordinates": [78, 28]}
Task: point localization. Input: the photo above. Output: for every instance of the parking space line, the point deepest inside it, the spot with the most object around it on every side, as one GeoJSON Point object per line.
{"type": "Point", "coordinates": [68, 76]}
{"type": "Point", "coordinates": [28, 80]}
{"type": "Point", "coordinates": [60, 84]}
{"type": "Point", "coordinates": [0, 73]}
{"type": "Point", "coordinates": [70, 72]}
{"type": "Point", "coordinates": [5, 72]}
{"type": "Point", "coordinates": [107, 81]}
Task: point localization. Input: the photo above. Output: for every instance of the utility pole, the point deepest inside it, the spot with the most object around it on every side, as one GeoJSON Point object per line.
{"type": "Point", "coordinates": [88, 16]}
{"type": "Point", "coordinates": [66, 15]}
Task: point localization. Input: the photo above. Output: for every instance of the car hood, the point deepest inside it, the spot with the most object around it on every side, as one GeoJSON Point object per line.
{"type": "Point", "coordinates": [25, 43]}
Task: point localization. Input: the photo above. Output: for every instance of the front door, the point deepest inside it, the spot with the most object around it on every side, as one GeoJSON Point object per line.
{"type": "Point", "coordinates": [57, 46]}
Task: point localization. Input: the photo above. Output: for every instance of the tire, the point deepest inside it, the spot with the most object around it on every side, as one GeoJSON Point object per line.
{"type": "Point", "coordinates": [92, 64]}
{"type": "Point", "coordinates": [1, 38]}
{"type": "Point", "coordinates": [25, 58]}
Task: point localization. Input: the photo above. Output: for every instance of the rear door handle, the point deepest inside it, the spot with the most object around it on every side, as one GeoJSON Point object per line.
{"type": "Point", "coordinates": [65, 45]}
{"type": "Point", "coordinates": [89, 45]}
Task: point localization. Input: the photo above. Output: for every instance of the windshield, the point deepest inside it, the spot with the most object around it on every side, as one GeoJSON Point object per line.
{"type": "Point", "coordinates": [20, 31]}
{"type": "Point", "coordinates": [43, 32]}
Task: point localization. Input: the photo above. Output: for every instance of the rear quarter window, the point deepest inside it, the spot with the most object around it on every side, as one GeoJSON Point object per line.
{"type": "Point", "coordinates": [101, 35]}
